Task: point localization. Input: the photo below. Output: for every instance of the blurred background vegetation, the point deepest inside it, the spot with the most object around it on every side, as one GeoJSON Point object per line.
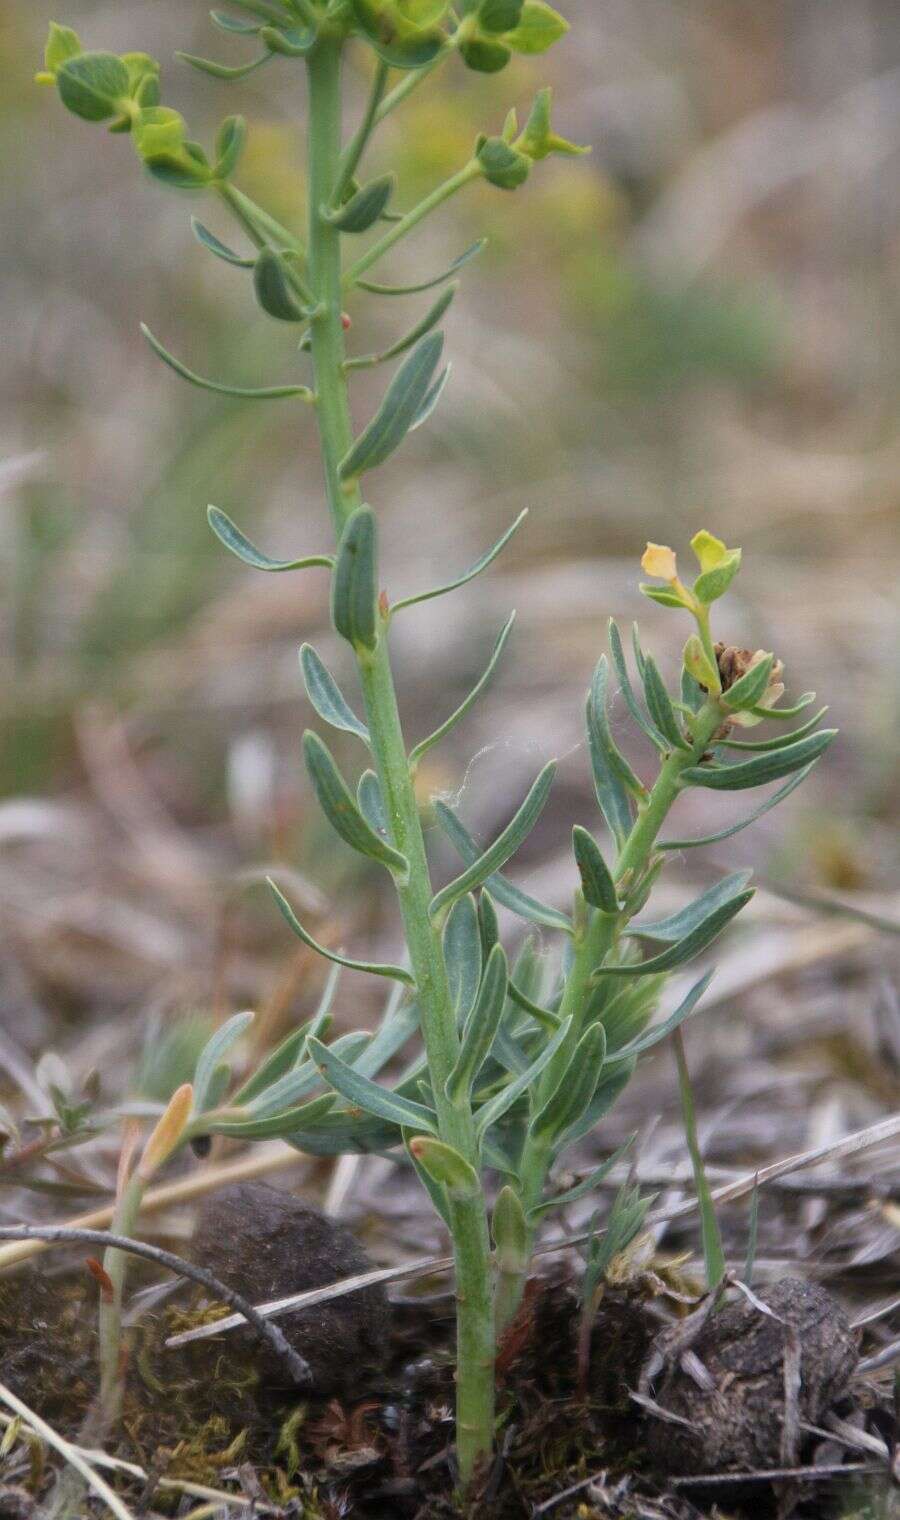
{"type": "Point", "coordinates": [699, 325]}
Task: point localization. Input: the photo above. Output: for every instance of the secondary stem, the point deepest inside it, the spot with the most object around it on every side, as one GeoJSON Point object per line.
{"type": "Point", "coordinates": [471, 1242]}
{"type": "Point", "coordinates": [441, 193]}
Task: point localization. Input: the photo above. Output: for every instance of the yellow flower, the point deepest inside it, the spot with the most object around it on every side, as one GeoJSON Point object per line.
{"type": "Point", "coordinates": [659, 561]}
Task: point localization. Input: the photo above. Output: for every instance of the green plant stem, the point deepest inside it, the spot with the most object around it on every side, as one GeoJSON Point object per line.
{"type": "Point", "coordinates": [471, 1242]}
{"type": "Point", "coordinates": [411, 81]}
{"type": "Point", "coordinates": [110, 1320]}
{"type": "Point", "coordinates": [441, 193]}
{"type": "Point", "coordinates": [596, 939]}
{"type": "Point", "coordinates": [261, 228]}
{"type": "Point", "coordinates": [352, 154]}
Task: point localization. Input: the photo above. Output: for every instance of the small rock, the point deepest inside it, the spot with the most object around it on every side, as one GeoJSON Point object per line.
{"type": "Point", "coordinates": [266, 1244]}
{"type": "Point", "coordinates": [737, 1424]}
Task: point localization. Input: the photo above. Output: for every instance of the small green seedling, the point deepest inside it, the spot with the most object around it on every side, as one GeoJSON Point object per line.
{"type": "Point", "coordinates": [515, 1064]}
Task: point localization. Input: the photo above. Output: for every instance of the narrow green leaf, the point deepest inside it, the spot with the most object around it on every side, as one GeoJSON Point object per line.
{"type": "Point", "coordinates": [365, 1094]}
{"type": "Point", "coordinates": [371, 803]}
{"type": "Point", "coordinates": [480, 1028]}
{"type": "Point", "coordinates": [628, 1053]}
{"type": "Point", "coordinates": [677, 925]}
{"type": "Point", "coordinates": [339, 807]}
{"type": "Point", "coordinates": [413, 290]}
{"type": "Point", "coordinates": [398, 410]}
{"type": "Point", "coordinates": [780, 741]}
{"type": "Point", "coordinates": [751, 687]}
{"type": "Point", "coordinates": [445, 1166]}
{"type": "Point", "coordinates": [576, 1087]}
{"type": "Point", "coordinates": [609, 785]}
{"type": "Point", "coordinates": [488, 925]}
{"type": "Point", "coordinates": [462, 954]}
{"type": "Point", "coordinates": [713, 1253]}
{"type": "Point", "coordinates": [782, 714]}
{"type": "Point", "coordinates": [505, 845]}
{"type": "Point", "coordinates": [435, 1190]}
{"type": "Point", "coordinates": [227, 23]}
{"type": "Point", "coordinates": [510, 1232]}
{"type": "Point", "coordinates": [242, 392]}
{"type": "Point", "coordinates": [284, 1094]}
{"type": "Point", "coordinates": [230, 142]}
{"type": "Point", "coordinates": [596, 882]}
{"type": "Point", "coordinates": [660, 706]}
{"type": "Point", "coordinates": [212, 1054]}
{"type": "Point", "coordinates": [363, 209]}
{"type": "Point", "coordinates": [224, 70]}
{"type": "Point", "coordinates": [290, 1051]}
{"type": "Point", "coordinates": [431, 400]}
{"type": "Point", "coordinates": [354, 589]}
{"type": "Point", "coordinates": [431, 319]}
{"type": "Point", "coordinates": [545, 1016]}
{"type": "Point", "coordinates": [769, 766]}
{"type": "Point", "coordinates": [587, 1185]}
{"type": "Point", "coordinates": [503, 1101]}
{"type": "Point", "coordinates": [425, 745]}
{"type": "Point", "coordinates": [327, 697]}
{"type": "Point", "coordinates": [283, 1126]}
{"type": "Point", "coordinates": [229, 534]}
{"type": "Point", "coordinates": [735, 828]}
{"type": "Point", "coordinates": [399, 1023]}
{"type": "Point", "coordinates": [625, 1219]}
{"type": "Point", "coordinates": [374, 968]}
{"type": "Point", "coordinates": [631, 701]}
{"type": "Point", "coordinates": [467, 575]}
{"type": "Point", "coordinates": [290, 42]}
{"type": "Point", "coordinates": [615, 759]}
{"type": "Point", "coordinates": [612, 1084]}
{"type": "Point", "coordinates": [274, 289]}
{"type": "Point", "coordinates": [215, 246]}
{"type": "Point", "coordinates": [684, 949]}
{"type": "Point", "coordinates": [518, 902]}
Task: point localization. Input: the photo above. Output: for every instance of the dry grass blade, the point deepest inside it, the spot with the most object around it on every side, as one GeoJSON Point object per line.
{"type": "Point", "coordinates": [850, 1145]}
{"type": "Point", "coordinates": [71, 1454]}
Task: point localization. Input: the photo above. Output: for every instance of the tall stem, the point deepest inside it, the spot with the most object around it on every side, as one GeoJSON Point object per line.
{"type": "Point", "coordinates": [471, 1241]}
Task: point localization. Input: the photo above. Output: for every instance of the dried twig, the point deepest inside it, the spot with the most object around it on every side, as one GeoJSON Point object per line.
{"type": "Point", "coordinates": [299, 1369]}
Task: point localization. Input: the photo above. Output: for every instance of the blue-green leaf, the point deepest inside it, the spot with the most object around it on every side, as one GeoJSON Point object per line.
{"type": "Point", "coordinates": [413, 290]}
{"type": "Point", "coordinates": [462, 954]}
{"type": "Point", "coordinates": [431, 399]}
{"type": "Point", "coordinates": [405, 395]}
{"type": "Point", "coordinates": [363, 209]}
{"type": "Point", "coordinates": [374, 968]}
{"type": "Point", "coordinates": [518, 902]}
{"type": "Point", "coordinates": [610, 786]}
{"type": "Point", "coordinates": [769, 766]}
{"type": "Point", "coordinates": [230, 141]}
{"type": "Point", "coordinates": [746, 692]}
{"type": "Point", "coordinates": [371, 803]}
{"type": "Point", "coordinates": [93, 85]}
{"type": "Point", "coordinates": [274, 288]}
{"type": "Point", "coordinates": [660, 706]}
{"type": "Point", "coordinates": [327, 697]}
{"type": "Point", "coordinates": [684, 949]}
{"type": "Point", "coordinates": [545, 1016]}
{"type": "Point", "coordinates": [339, 807]}
{"type": "Point", "coordinates": [425, 745]}
{"type": "Point", "coordinates": [290, 1051]}
{"type": "Point", "coordinates": [481, 1027]}
{"type": "Point", "coordinates": [503, 1101]}
{"type": "Point", "coordinates": [631, 701]}
{"type": "Point", "coordinates": [435, 1190]}
{"type": "Point", "coordinates": [735, 828]}
{"type": "Point", "coordinates": [782, 714]}
{"type": "Point", "coordinates": [212, 1053]}
{"type": "Point", "coordinates": [242, 392]}
{"type": "Point", "coordinates": [365, 1094]}
{"type": "Point", "coordinates": [467, 575]}
{"type": "Point", "coordinates": [596, 881]}
{"type": "Point", "coordinates": [224, 70]}
{"type": "Point", "coordinates": [431, 319]}
{"type": "Point", "coordinates": [587, 1185]}
{"type": "Point", "coordinates": [217, 247]}
{"type": "Point", "coordinates": [505, 845]}
{"type": "Point", "coordinates": [780, 741]}
{"type": "Point", "coordinates": [575, 1089]}
{"type": "Point", "coordinates": [677, 925]}
{"type": "Point", "coordinates": [628, 1053]}
{"type": "Point", "coordinates": [229, 534]}
{"type": "Point", "coordinates": [227, 23]}
{"type": "Point", "coordinates": [354, 587]}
